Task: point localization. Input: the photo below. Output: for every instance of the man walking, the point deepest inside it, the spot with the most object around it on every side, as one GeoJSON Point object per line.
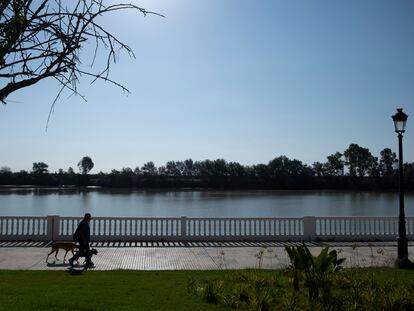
{"type": "Point", "coordinates": [83, 236]}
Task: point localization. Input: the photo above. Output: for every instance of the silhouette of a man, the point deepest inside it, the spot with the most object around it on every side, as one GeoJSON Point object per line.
{"type": "Point", "coordinates": [83, 236]}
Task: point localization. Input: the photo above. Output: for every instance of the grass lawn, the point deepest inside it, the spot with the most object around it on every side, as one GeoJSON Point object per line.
{"type": "Point", "coordinates": [173, 290]}
{"type": "Point", "coordinates": [101, 290]}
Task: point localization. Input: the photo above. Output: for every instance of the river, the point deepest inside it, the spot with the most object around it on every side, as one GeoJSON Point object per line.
{"type": "Point", "coordinates": [109, 202]}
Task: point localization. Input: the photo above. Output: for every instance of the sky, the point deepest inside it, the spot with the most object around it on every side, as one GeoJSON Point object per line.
{"type": "Point", "coordinates": [245, 81]}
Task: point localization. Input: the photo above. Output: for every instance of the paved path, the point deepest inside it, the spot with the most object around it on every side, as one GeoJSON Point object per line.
{"type": "Point", "coordinates": [191, 256]}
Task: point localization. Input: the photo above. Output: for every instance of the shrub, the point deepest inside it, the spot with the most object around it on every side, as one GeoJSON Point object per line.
{"type": "Point", "coordinates": [317, 269]}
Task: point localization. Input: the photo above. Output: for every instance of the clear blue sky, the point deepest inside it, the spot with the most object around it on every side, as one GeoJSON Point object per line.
{"type": "Point", "coordinates": [241, 80]}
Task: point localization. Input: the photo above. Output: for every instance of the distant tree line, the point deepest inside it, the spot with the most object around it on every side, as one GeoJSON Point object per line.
{"type": "Point", "coordinates": [355, 168]}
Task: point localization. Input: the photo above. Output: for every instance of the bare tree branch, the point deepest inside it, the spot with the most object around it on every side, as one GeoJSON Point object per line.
{"type": "Point", "coordinates": [43, 39]}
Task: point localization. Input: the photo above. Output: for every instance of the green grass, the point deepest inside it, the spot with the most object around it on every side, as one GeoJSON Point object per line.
{"type": "Point", "coordinates": [182, 290]}
{"type": "Point", "coordinates": [101, 290]}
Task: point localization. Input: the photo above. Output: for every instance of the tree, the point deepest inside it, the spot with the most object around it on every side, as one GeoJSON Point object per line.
{"type": "Point", "coordinates": [235, 169]}
{"type": "Point", "coordinates": [335, 165]}
{"type": "Point", "coordinates": [127, 171]}
{"type": "Point", "coordinates": [85, 165]}
{"type": "Point", "coordinates": [40, 168]}
{"type": "Point", "coordinates": [319, 169]}
{"type": "Point", "coordinates": [360, 161]}
{"type": "Point", "coordinates": [220, 167]}
{"type": "Point", "coordinates": [5, 170]}
{"type": "Point", "coordinates": [283, 166]}
{"type": "Point", "coordinates": [149, 169]}
{"type": "Point", "coordinates": [188, 168]}
{"type": "Point", "coordinates": [43, 39]}
{"type": "Point", "coordinates": [137, 171]}
{"type": "Point", "coordinates": [387, 161]}
{"type": "Point", "coordinates": [172, 169]}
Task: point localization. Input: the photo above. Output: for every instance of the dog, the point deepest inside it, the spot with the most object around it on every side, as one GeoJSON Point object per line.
{"type": "Point", "coordinates": [92, 251]}
{"type": "Point", "coordinates": [67, 246]}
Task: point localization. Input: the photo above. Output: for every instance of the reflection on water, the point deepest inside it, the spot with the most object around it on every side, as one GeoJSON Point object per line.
{"type": "Point", "coordinates": [125, 202]}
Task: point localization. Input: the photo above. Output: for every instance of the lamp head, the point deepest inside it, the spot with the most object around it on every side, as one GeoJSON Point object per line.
{"type": "Point", "coordinates": [400, 119]}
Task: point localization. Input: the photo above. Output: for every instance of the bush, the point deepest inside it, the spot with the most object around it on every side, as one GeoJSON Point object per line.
{"type": "Point", "coordinates": [352, 289]}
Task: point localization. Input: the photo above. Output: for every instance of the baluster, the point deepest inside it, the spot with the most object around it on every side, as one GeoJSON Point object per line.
{"type": "Point", "coordinates": [254, 227]}
{"type": "Point", "coordinates": [357, 226]}
{"type": "Point", "coordinates": [352, 226]}
{"type": "Point", "coordinates": [214, 227]}
{"type": "Point", "coordinates": [19, 226]}
{"type": "Point", "coordinates": [388, 226]}
{"type": "Point", "coordinates": [134, 229]}
{"type": "Point", "coordinates": [288, 227]}
{"type": "Point", "coordinates": [24, 226]}
{"type": "Point", "coordinates": [202, 227]}
{"type": "Point", "coordinates": [346, 227]}
{"type": "Point", "coordinates": [277, 227]}
{"type": "Point", "coordinates": [13, 226]}
{"type": "Point", "coordinates": [281, 227]}
{"type": "Point", "coordinates": [33, 231]}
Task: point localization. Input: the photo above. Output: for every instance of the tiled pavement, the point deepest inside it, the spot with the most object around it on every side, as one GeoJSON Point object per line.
{"type": "Point", "coordinates": [190, 256]}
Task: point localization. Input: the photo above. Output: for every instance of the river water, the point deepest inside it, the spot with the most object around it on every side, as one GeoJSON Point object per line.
{"type": "Point", "coordinates": [105, 202]}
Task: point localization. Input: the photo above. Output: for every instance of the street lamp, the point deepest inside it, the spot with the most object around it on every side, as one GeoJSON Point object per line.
{"type": "Point", "coordinates": [400, 119]}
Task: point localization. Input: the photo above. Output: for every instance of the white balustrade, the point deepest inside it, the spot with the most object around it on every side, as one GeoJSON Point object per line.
{"type": "Point", "coordinates": [17, 228]}
{"type": "Point", "coordinates": [13, 228]}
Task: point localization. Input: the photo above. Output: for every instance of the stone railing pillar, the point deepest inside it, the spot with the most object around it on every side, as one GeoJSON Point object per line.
{"type": "Point", "coordinates": [309, 228]}
{"type": "Point", "coordinates": [183, 225]}
{"type": "Point", "coordinates": [53, 227]}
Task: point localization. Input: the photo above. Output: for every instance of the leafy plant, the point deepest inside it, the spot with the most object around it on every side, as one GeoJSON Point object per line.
{"type": "Point", "coordinates": [317, 269]}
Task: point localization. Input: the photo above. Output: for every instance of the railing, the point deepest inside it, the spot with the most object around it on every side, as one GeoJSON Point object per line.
{"type": "Point", "coordinates": [52, 228]}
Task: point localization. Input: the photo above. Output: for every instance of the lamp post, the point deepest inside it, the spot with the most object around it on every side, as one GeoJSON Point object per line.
{"type": "Point", "coordinates": [400, 119]}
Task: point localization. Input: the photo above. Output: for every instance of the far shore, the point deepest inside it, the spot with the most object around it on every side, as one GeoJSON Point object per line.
{"type": "Point", "coordinates": [76, 188]}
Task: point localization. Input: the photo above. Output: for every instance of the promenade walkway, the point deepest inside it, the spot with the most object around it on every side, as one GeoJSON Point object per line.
{"type": "Point", "coordinates": [192, 256]}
